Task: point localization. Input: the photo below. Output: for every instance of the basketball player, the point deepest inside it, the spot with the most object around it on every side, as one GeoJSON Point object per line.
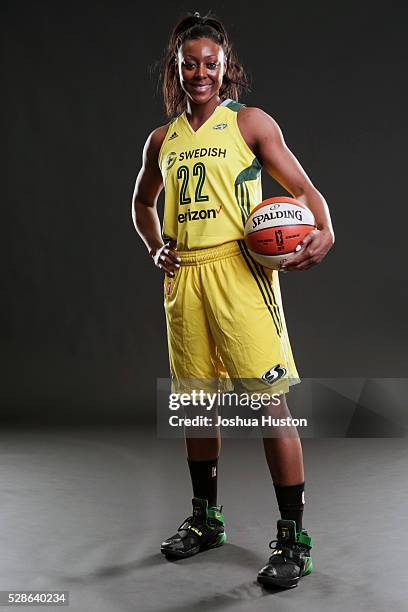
{"type": "Point", "coordinates": [223, 310]}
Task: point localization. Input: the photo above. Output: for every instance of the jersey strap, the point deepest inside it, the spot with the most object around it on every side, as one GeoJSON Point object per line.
{"type": "Point", "coordinates": [232, 104]}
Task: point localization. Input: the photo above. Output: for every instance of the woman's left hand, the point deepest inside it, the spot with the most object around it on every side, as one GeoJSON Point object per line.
{"type": "Point", "coordinates": [313, 248]}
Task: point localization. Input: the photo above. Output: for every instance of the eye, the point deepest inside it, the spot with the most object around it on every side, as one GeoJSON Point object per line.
{"type": "Point", "coordinates": [189, 65]}
{"type": "Point", "coordinates": [212, 65]}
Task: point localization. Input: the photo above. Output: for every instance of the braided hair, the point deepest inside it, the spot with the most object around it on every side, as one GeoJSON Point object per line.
{"type": "Point", "coordinates": [193, 27]}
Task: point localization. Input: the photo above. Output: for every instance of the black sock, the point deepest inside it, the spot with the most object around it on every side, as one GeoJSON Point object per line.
{"type": "Point", "coordinates": [291, 502]}
{"type": "Point", "coordinates": [204, 479]}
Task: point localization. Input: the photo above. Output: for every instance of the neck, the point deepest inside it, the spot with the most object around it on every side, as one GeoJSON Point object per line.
{"type": "Point", "coordinates": [200, 112]}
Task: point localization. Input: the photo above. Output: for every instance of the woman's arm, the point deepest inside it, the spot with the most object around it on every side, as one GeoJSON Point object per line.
{"type": "Point", "coordinates": [265, 138]}
{"type": "Point", "coordinates": [149, 184]}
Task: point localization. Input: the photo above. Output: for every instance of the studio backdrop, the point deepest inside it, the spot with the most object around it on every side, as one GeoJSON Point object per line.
{"type": "Point", "coordinates": [83, 326]}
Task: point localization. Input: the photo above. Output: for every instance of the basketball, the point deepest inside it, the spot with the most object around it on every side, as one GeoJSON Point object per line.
{"type": "Point", "coordinates": [274, 229]}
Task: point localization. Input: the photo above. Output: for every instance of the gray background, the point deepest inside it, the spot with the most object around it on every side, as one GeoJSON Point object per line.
{"type": "Point", "coordinates": [86, 510]}
{"type": "Point", "coordinates": [83, 337]}
{"type": "Point", "coordinates": [82, 318]}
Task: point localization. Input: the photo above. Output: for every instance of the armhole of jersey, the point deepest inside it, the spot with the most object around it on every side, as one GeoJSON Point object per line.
{"type": "Point", "coordinates": [242, 139]}
{"type": "Point", "coordinates": [159, 156]}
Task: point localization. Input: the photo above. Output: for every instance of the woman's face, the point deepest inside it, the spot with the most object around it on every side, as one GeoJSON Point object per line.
{"type": "Point", "coordinates": [201, 65]}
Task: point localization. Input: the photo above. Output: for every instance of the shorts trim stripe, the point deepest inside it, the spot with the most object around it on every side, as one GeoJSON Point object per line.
{"type": "Point", "coordinates": [257, 280]}
{"type": "Point", "coordinates": [268, 287]}
{"type": "Point", "coordinates": [269, 283]}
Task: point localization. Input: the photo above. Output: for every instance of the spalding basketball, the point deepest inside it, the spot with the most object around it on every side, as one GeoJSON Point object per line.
{"type": "Point", "coordinates": [274, 229]}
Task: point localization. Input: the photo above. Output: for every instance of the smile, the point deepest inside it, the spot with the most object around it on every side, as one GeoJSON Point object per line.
{"type": "Point", "coordinates": [201, 87]}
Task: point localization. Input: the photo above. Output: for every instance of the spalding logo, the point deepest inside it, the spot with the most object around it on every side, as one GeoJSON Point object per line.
{"type": "Point", "coordinates": [273, 374]}
{"type": "Point", "coordinates": [276, 214]}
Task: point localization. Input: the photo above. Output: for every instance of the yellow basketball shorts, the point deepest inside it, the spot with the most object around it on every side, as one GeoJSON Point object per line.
{"type": "Point", "coordinates": [225, 324]}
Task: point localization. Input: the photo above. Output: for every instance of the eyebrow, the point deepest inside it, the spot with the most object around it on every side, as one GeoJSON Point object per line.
{"type": "Point", "coordinates": [206, 57]}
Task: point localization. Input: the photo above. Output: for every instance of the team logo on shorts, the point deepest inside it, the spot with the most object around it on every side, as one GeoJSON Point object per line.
{"type": "Point", "coordinates": [273, 374]}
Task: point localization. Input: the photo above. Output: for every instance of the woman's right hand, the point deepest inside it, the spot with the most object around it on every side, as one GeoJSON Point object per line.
{"type": "Point", "coordinates": [166, 259]}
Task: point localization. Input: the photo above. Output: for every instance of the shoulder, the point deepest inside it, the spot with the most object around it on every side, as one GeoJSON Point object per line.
{"type": "Point", "coordinates": [256, 126]}
{"type": "Point", "coordinates": [257, 120]}
{"type": "Point", "coordinates": [155, 140]}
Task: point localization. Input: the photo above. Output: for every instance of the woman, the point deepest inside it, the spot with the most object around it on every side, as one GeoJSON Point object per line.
{"type": "Point", "coordinates": [223, 310]}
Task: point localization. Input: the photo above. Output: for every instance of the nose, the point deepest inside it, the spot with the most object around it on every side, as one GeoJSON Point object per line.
{"type": "Point", "coordinates": [201, 71]}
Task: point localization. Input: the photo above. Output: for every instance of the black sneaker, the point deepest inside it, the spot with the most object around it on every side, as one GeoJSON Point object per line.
{"type": "Point", "coordinates": [204, 529]}
{"type": "Point", "coordinates": [290, 559]}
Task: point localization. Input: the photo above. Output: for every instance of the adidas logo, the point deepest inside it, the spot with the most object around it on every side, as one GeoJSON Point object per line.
{"type": "Point", "coordinates": [220, 126]}
{"type": "Point", "coordinates": [174, 135]}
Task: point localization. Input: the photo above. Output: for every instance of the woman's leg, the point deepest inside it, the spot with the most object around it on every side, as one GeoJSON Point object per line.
{"type": "Point", "coordinates": [202, 457]}
{"type": "Point", "coordinates": [205, 528]}
{"type": "Point", "coordinates": [203, 449]}
{"type": "Point", "coordinates": [283, 453]}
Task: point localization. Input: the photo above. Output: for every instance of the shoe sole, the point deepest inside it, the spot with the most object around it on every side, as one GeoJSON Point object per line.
{"type": "Point", "coordinates": [176, 554]}
{"type": "Point", "coordinates": [273, 583]}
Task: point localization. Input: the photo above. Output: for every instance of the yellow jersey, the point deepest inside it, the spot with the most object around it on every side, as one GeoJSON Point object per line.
{"type": "Point", "coordinates": [212, 180]}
